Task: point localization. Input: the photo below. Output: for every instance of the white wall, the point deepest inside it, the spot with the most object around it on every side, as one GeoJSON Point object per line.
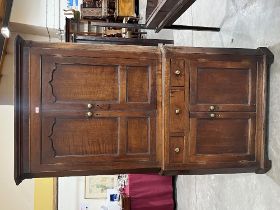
{"type": "Point", "coordinates": [39, 12]}
{"type": "Point", "coordinates": [12, 197]}
{"type": "Point", "coordinates": [71, 191]}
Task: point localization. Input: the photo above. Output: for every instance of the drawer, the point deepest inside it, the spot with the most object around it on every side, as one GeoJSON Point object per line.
{"type": "Point", "coordinates": [176, 149]}
{"type": "Point", "coordinates": [177, 74]}
{"type": "Point", "coordinates": [177, 110]}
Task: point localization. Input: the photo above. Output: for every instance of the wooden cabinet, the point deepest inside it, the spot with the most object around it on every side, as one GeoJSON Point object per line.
{"type": "Point", "coordinates": [215, 108]}
{"type": "Point", "coordinates": [93, 109]}
{"type": "Point", "coordinates": [89, 110]}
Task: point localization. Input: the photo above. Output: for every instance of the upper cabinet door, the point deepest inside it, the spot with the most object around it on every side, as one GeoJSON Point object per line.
{"type": "Point", "coordinates": [223, 85]}
{"type": "Point", "coordinates": [90, 111]}
{"type": "Point", "coordinates": [70, 83]}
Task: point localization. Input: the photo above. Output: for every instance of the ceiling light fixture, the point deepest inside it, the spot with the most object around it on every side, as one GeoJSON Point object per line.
{"type": "Point", "coordinates": [5, 32]}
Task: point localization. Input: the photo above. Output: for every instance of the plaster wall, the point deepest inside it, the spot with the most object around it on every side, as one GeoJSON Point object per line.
{"type": "Point", "coordinates": [244, 24]}
{"type": "Point", "coordinates": [12, 197]}
{"type": "Point", "coordinates": [71, 195]}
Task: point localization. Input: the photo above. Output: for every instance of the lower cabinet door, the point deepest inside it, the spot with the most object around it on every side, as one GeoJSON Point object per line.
{"type": "Point", "coordinates": [222, 138]}
{"type": "Point", "coordinates": [69, 143]}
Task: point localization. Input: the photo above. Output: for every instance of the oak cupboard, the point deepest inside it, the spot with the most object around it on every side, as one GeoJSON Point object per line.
{"type": "Point", "coordinates": [215, 110]}
{"type": "Point", "coordinates": [104, 109]}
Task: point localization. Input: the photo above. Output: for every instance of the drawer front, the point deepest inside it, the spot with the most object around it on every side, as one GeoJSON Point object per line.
{"type": "Point", "coordinates": [222, 136]}
{"type": "Point", "coordinates": [223, 86]}
{"type": "Point", "coordinates": [177, 74]}
{"type": "Point", "coordinates": [177, 110]}
{"type": "Point", "coordinates": [176, 150]}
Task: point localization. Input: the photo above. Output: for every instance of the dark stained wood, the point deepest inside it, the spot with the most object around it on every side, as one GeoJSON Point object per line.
{"type": "Point", "coordinates": [176, 150]}
{"type": "Point", "coordinates": [194, 28]}
{"type": "Point", "coordinates": [223, 84]}
{"type": "Point", "coordinates": [21, 121]}
{"type": "Point", "coordinates": [167, 12]}
{"type": "Point", "coordinates": [92, 109]}
{"type": "Point", "coordinates": [88, 112]}
{"type": "Point", "coordinates": [95, 82]}
{"type": "Point", "coordinates": [177, 110]}
{"type": "Point", "coordinates": [177, 73]}
{"type": "Point", "coordinates": [97, 136]}
{"type": "Point", "coordinates": [151, 5]}
{"type": "Point", "coordinates": [126, 202]}
{"type": "Point", "coordinates": [120, 40]}
{"type": "Point", "coordinates": [138, 84]}
{"type": "Point", "coordinates": [222, 138]}
{"type": "Point", "coordinates": [138, 138]}
{"type": "Point", "coordinates": [226, 89]}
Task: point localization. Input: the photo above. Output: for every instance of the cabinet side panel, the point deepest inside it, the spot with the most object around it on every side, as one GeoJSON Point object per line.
{"type": "Point", "coordinates": [21, 110]}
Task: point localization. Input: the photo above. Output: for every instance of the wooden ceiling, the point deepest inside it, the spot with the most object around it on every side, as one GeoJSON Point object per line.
{"type": "Point", "coordinates": [2, 9]}
{"type": "Point", "coordinates": [5, 13]}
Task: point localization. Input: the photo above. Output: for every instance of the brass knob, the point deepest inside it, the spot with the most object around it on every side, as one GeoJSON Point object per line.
{"type": "Point", "coordinates": [89, 114]}
{"type": "Point", "coordinates": [89, 106]}
{"type": "Point", "coordinates": [177, 72]}
{"type": "Point", "coordinates": [177, 149]}
{"type": "Point", "coordinates": [212, 108]}
{"type": "Point", "coordinates": [177, 111]}
{"type": "Point", "coordinates": [212, 115]}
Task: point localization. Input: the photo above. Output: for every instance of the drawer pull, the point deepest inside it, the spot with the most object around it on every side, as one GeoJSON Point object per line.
{"type": "Point", "coordinates": [177, 72]}
{"type": "Point", "coordinates": [212, 108]}
{"type": "Point", "coordinates": [89, 106]}
{"type": "Point", "coordinates": [177, 111]}
{"type": "Point", "coordinates": [177, 149]}
{"type": "Point", "coordinates": [89, 114]}
{"type": "Point", "coordinates": [212, 115]}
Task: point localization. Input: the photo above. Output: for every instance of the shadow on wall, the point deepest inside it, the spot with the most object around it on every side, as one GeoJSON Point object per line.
{"type": "Point", "coordinates": [7, 76]}
{"type": "Point", "coordinates": [274, 115]}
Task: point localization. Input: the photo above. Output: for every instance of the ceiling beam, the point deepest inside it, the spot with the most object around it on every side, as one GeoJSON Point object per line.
{"type": "Point", "coordinates": [5, 13]}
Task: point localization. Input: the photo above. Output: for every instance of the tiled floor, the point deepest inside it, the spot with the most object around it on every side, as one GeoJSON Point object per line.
{"type": "Point", "coordinates": [244, 24]}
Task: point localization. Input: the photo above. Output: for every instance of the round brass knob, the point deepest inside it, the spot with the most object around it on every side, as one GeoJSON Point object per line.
{"type": "Point", "coordinates": [212, 108]}
{"type": "Point", "coordinates": [177, 149]}
{"type": "Point", "coordinates": [212, 115]}
{"type": "Point", "coordinates": [89, 106]}
{"type": "Point", "coordinates": [177, 111]}
{"type": "Point", "coordinates": [177, 72]}
{"type": "Point", "coordinates": [89, 114]}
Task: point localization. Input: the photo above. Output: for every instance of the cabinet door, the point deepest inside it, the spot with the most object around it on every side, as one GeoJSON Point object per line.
{"type": "Point", "coordinates": [222, 137]}
{"type": "Point", "coordinates": [96, 114]}
{"type": "Point", "coordinates": [223, 85]}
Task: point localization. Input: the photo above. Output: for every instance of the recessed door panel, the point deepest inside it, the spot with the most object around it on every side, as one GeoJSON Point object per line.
{"type": "Point", "coordinates": [138, 136]}
{"type": "Point", "coordinates": [224, 86]}
{"type": "Point", "coordinates": [138, 84]}
{"type": "Point", "coordinates": [64, 137]}
{"type": "Point", "coordinates": [85, 83]}
{"type": "Point", "coordinates": [222, 136]}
